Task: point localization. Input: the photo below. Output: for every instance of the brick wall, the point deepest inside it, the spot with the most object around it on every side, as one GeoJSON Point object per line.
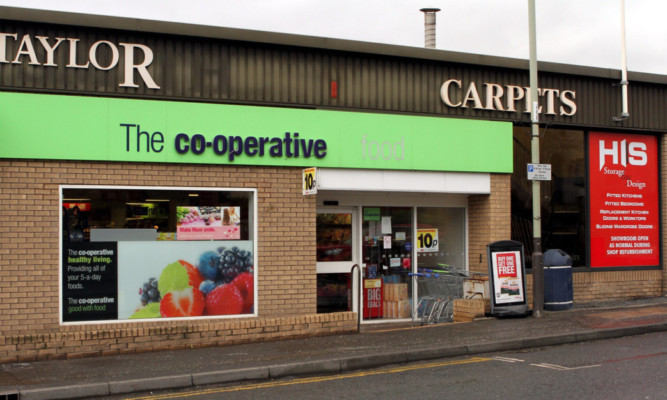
{"type": "Point", "coordinates": [489, 220]}
{"type": "Point", "coordinates": [29, 262]}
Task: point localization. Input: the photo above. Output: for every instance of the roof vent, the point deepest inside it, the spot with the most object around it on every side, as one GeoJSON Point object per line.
{"type": "Point", "coordinates": [429, 27]}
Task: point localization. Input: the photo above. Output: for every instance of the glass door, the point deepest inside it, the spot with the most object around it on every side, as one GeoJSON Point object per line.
{"type": "Point", "coordinates": [337, 250]}
{"type": "Point", "coordinates": [387, 250]}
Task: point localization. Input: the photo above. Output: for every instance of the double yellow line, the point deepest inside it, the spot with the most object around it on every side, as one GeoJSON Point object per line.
{"type": "Point", "coordinates": [316, 379]}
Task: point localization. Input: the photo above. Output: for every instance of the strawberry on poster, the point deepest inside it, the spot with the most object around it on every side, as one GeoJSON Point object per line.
{"type": "Point", "coordinates": [185, 279]}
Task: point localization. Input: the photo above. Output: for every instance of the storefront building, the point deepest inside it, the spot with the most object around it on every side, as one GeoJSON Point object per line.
{"type": "Point", "coordinates": [171, 186]}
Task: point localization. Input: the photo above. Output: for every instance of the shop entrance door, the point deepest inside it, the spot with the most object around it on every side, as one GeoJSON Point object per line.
{"type": "Point", "coordinates": [337, 253]}
{"type": "Point", "coordinates": [387, 256]}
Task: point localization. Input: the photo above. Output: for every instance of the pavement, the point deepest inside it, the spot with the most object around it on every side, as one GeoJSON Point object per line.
{"type": "Point", "coordinates": [376, 345]}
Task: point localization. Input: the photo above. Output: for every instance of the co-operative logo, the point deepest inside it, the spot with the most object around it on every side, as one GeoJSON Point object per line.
{"type": "Point", "coordinates": [623, 153]}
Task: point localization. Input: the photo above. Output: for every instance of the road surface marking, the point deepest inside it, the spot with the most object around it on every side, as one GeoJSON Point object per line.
{"type": "Point", "coordinates": [315, 379]}
{"type": "Point", "coordinates": [562, 368]}
{"type": "Point", "coordinates": [507, 359]}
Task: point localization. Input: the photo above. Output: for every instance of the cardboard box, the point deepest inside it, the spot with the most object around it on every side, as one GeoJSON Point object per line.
{"type": "Point", "coordinates": [397, 309]}
{"type": "Point", "coordinates": [396, 291]}
{"type": "Point", "coordinates": [388, 292]}
{"type": "Point", "coordinates": [466, 310]}
{"type": "Point", "coordinates": [404, 309]}
{"type": "Point", "coordinates": [390, 309]}
{"type": "Point", "coordinates": [401, 291]}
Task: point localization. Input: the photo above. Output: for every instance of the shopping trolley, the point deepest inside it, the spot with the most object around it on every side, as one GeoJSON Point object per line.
{"type": "Point", "coordinates": [437, 289]}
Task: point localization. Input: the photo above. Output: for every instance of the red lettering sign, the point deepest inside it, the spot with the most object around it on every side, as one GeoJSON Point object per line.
{"type": "Point", "coordinates": [506, 263]}
{"type": "Point", "coordinates": [624, 199]}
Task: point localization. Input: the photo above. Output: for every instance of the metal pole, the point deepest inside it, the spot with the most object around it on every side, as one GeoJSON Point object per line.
{"type": "Point", "coordinates": [624, 65]}
{"type": "Point", "coordinates": [538, 268]}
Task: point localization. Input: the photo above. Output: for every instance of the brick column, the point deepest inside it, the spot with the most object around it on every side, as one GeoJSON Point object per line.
{"type": "Point", "coordinates": [489, 220]}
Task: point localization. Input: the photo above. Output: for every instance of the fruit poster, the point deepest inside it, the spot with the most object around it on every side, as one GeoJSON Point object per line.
{"type": "Point", "coordinates": [624, 200]}
{"type": "Point", "coordinates": [89, 279]}
{"type": "Point", "coordinates": [507, 277]}
{"type": "Point", "coordinates": [185, 279]}
{"type": "Point", "coordinates": [208, 223]}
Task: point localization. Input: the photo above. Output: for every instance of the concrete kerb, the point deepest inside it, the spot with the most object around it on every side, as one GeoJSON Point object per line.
{"type": "Point", "coordinates": [372, 361]}
{"type": "Point", "coordinates": [66, 392]}
{"type": "Point", "coordinates": [435, 353]}
{"type": "Point", "coordinates": [140, 385]}
{"type": "Point", "coordinates": [325, 366]}
{"type": "Point", "coordinates": [304, 368]}
{"type": "Point", "coordinates": [236, 375]}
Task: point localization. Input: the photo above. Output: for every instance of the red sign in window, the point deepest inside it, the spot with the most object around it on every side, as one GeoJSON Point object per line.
{"type": "Point", "coordinates": [624, 212]}
{"type": "Point", "coordinates": [372, 298]}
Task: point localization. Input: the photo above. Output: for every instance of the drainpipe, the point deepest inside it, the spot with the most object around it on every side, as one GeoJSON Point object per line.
{"type": "Point", "coordinates": [624, 70]}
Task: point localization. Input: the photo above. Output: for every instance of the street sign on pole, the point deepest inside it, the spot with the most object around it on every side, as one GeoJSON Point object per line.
{"type": "Point", "coordinates": [539, 172]}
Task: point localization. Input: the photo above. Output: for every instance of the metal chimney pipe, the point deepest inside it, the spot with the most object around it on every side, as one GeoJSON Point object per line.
{"type": "Point", "coordinates": [624, 68]}
{"type": "Point", "coordinates": [429, 27]}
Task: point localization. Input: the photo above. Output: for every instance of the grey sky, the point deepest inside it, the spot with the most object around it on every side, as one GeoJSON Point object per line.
{"type": "Point", "coordinates": [583, 32]}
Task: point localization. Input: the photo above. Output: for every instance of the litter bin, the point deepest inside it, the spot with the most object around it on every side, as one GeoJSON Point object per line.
{"type": "Point", "coordinates": [558, 293]}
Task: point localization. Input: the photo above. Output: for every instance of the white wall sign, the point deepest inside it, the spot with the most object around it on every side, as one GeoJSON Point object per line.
{"type": "Point", "coordinates": [492, 96]}
{"type": "Point", "coordinates": [27, 47]}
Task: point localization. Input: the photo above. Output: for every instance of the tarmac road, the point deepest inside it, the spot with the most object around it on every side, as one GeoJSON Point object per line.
{"type": "Point", "coordinates": [99, 376]}
{"type": "Point", "coordinates": [630, 367]}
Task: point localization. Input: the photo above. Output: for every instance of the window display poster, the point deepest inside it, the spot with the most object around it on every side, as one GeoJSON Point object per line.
{"type": "Point", "coordinates": [185, 279]}
{"type": "Point", "coordinates": [624, 200]}
{"type": "Point", "coordinates": [89, 281]}
{"type": "Point", "coordinates": [208, 223]}
{"type": "Point", "coordinates": [507, 277]}
{"type": "Point", "coordinates": [159, 279]}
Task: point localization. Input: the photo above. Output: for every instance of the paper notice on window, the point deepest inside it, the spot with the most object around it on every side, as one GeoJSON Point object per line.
{"type": "Point", "coordinates": [386, 225]}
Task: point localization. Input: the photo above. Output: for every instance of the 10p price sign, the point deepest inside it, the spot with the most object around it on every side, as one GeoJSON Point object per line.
{"type": "Point", "coordinates": [427, 241]}
{"type": "Point", "coordinates": [309, 181]}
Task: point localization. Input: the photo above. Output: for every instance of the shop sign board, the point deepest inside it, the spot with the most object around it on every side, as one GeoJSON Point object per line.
{"type": "Point", "coordinates": [539, 172]}
{"type": "Point", "coordinates": [456, 93]}
{"type": "Point", "coordinates": [427, 240]}
{"type": "Point", "coordinates": [624, 200]}
{"type": "Point", "coordinates": [38, 52]}
{"type": "Point", "coordinates": [309, 181]}
{"type": "Point", "coordinates": [507, 272]}
{"type": "Point", "coordinates": [132, 130]}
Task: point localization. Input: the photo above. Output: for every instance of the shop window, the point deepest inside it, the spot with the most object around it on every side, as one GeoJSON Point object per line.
{"type": "Point", "coordinates": [441, 237]}
{"type": "Point", "coordinates": [563, 199]}
{"type": "Point", "coordinates": [333, 293]}
{"type": "Point", "coordinates": [334, 237]}
{"type": "Point", "coordinates": [146, 253]}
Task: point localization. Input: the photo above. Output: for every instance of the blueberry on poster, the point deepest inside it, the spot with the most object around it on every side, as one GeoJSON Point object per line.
{"type": "Point", "coordinates": [185, 279]}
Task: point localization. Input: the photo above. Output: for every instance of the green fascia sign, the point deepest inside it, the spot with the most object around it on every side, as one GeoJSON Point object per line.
{"type": "Point", "coordinates": [41, 126]}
